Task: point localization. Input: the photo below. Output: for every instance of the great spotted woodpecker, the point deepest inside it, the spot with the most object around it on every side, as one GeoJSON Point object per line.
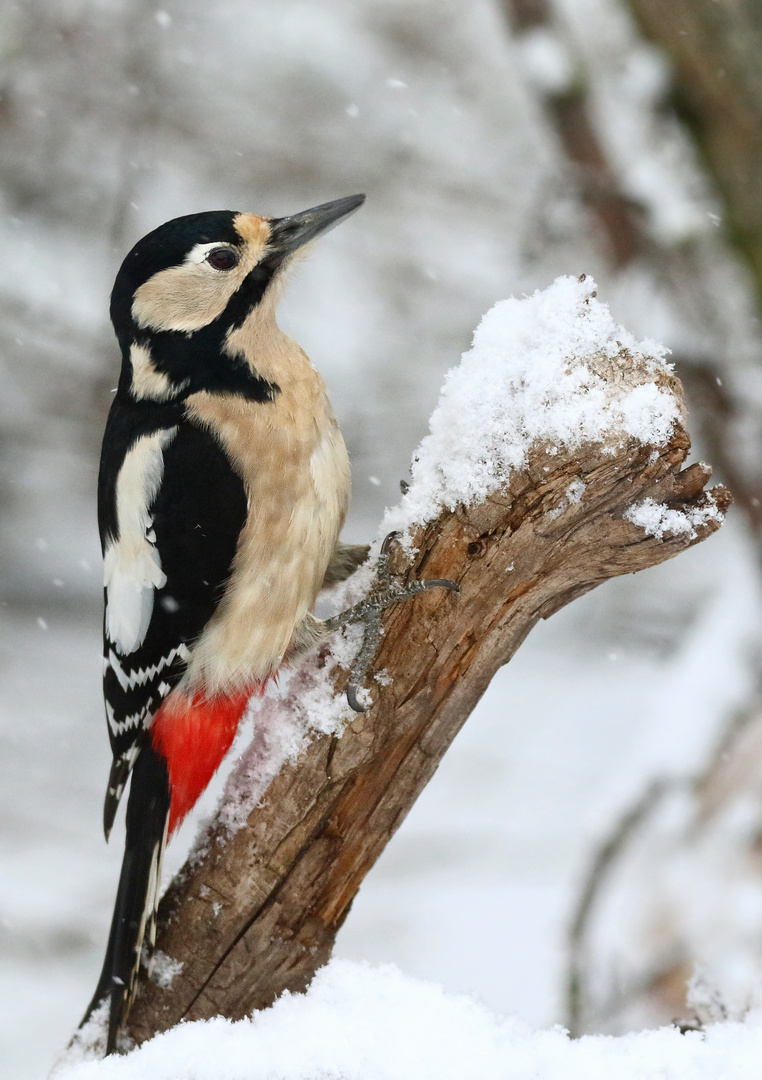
{"type": "Point", "coordinates": [223, 486]}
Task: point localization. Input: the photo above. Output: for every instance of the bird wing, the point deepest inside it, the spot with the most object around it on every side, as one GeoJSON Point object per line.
{"type": "Point", "coordinates": [171, 508]}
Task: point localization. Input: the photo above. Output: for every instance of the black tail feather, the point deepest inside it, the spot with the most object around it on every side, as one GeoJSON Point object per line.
{"type": "Point", "coordinates": [117, 781]}
{"type": "Point", "coordinates": [137, 895]}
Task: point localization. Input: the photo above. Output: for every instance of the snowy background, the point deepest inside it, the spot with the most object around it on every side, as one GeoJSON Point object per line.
{"type": "Point", "coordinates": [115, 116]}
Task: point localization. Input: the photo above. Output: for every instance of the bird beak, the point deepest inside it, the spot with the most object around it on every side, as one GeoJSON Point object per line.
{"type": "Point", "coordinates": [289, 233]}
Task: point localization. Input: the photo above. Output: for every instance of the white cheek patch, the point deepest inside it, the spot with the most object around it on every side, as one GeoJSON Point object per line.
{"type": "Point", "coordinates": [189, 296]}
{"type": "Point", "coordinates": [132, 565]}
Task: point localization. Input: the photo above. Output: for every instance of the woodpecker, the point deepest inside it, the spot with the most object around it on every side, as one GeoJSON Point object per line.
{"type": "Point", "coordinates": [223, 487]}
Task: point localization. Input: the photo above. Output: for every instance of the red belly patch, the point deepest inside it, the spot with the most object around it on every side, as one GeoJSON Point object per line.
{"type": "Point", "coordinates": [193, 734]}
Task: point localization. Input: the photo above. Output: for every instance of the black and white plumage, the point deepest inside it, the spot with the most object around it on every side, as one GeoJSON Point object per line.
{"type": "Point", "coordinates": [183, 539]}
{"type": "Point", "coordinates": [223, 486]}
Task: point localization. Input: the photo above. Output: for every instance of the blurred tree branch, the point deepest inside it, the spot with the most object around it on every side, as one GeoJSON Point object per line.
{"type": "Point", "coordinates": [714, 49]}
{"type": "Point", "coordinates": [603, 860]}
{"type": "Point", "coordinates": [616, 216]}
{"type": "Point", "coordinates": [733, 772]}
{"type": "Point", "coordinates": [718, 89]}
{"type": "Point", "coordinates": [258, 912]}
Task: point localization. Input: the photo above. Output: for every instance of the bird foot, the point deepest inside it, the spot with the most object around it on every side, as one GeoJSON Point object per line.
{"type": "Point", "coordinates": [368, 612]}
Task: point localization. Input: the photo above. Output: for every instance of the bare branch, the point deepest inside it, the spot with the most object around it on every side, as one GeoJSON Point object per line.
{"type": "Point", "coordinates": [595, 879]}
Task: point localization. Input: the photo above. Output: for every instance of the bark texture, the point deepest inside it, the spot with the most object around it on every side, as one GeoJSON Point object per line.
{"type": "Point", "coordinates": [258, 914]}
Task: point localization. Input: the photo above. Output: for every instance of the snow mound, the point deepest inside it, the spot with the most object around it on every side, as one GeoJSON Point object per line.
{"type": "Point", "coordinates": [552, 368]}
{"type": "Point", "coordinates": [363, 1023]}
{"type": "Point", "coordinates": [659, 520]}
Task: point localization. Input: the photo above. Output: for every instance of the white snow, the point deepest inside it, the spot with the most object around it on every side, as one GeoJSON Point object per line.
{"type": "Point", "coordinates": [552, 368]}
{"type": "Point", "coordinates": [546, 60]}
{"type": "Point", "coordinates": [301, 704]}
{"type": "Point", "coordinates": [659, 520]}
{"type": "Point", "coordinates": [572, 495]}
{"type": "Point", "coordinates": [362, 1023]}
{"type": "Point", "coordinates": [164, 969]}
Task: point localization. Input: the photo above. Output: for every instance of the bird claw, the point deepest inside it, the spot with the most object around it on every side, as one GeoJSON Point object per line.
{"type": "Point", "coordinates": [369, 611]}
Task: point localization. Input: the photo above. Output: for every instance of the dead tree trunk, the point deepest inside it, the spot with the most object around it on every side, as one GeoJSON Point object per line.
{"type": "Point", "coordinates": [258, 912]}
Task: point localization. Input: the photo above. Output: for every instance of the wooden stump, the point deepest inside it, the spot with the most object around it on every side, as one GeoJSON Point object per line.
{"type": "Point", "coordinates": [259, 911]}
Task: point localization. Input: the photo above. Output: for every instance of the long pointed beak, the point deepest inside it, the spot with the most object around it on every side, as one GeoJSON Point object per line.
{"type": "Point", "coordinates": [289, 233]}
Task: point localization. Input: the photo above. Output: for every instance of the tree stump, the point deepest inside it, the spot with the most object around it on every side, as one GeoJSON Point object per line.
{"type": "Point", "coordinates": [255, 910]}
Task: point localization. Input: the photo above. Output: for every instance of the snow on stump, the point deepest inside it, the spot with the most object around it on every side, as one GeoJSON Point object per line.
{"type": "Point", "coordinates": [554, 463]}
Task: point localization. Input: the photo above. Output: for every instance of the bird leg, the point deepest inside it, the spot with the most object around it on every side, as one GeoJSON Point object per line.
{"type": "Point", "coordinates": [368, 612]}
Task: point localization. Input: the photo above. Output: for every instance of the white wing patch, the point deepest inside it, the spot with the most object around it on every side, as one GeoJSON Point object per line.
{"type": "Point", "coordinates": [132, 566]}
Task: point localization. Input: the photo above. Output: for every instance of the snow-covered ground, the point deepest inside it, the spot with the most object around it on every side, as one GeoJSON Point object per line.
{"type": "Point", "coordinates": [357, 1023]}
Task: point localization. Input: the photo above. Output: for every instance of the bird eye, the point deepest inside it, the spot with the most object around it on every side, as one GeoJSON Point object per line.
{"type": "Point", "coordinates": [222, 258]}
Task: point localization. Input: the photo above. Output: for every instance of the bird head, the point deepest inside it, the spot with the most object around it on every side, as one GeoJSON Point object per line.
{"type": "Point", "coordinates": [186, 286]}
